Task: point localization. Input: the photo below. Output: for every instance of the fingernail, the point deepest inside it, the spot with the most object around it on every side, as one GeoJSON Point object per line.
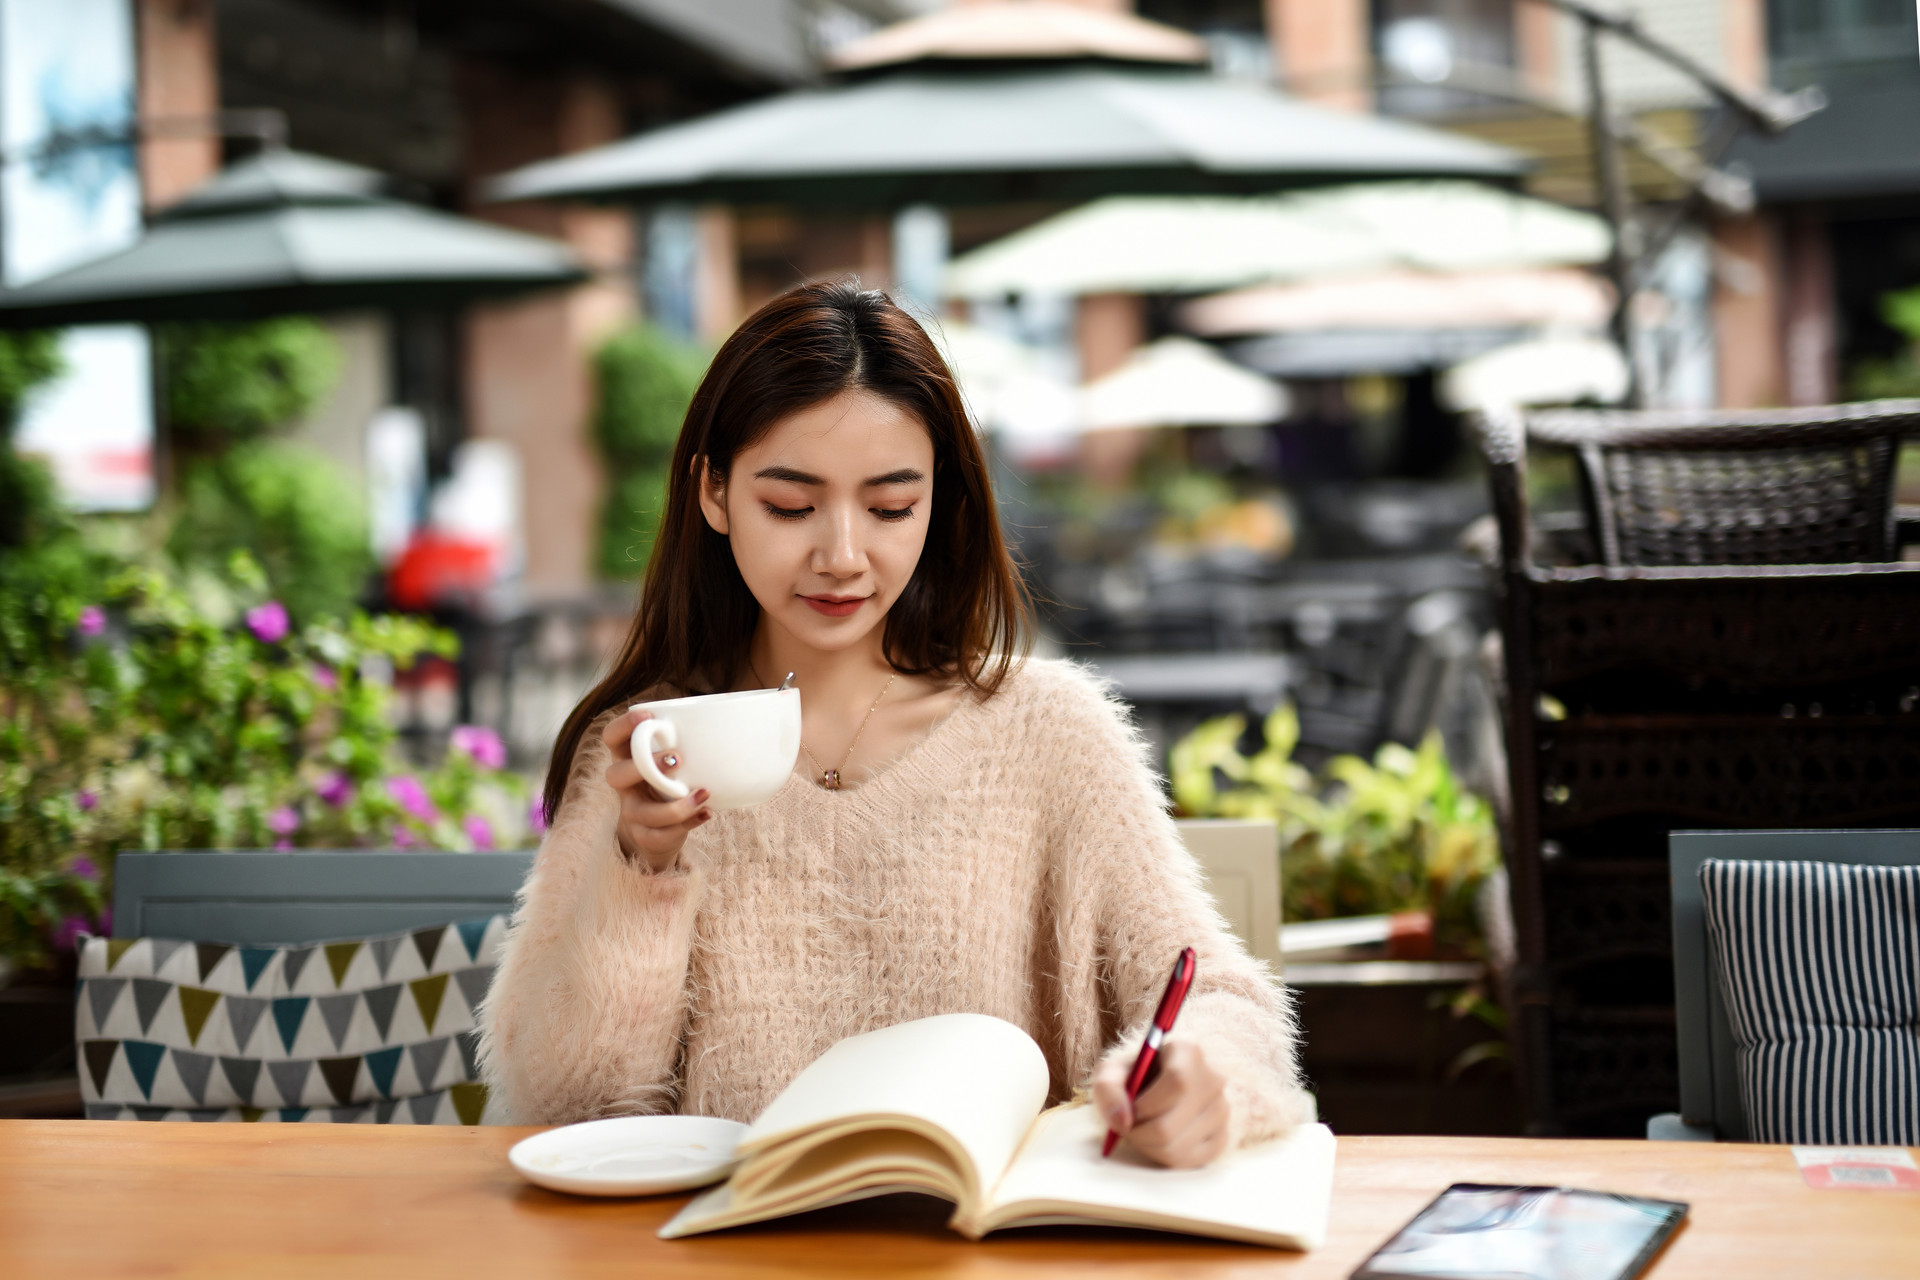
{"type": "Point", "coordinates": [700, 796]}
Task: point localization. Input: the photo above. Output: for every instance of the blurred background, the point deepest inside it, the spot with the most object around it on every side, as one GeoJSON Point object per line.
{"type": "Point", "coordinates": [347, 340]}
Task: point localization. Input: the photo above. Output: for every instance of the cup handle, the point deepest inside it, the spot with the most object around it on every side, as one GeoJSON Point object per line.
{"type": "Point", "coordinates": [657, 735]}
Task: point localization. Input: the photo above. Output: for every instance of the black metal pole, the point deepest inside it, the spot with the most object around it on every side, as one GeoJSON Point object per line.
{"type": "Point", "coordinates": [1610, 183]}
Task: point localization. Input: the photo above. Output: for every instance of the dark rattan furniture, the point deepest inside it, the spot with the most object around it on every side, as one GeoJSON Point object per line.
{"type": "Point", "coordinates": [1642, 697]}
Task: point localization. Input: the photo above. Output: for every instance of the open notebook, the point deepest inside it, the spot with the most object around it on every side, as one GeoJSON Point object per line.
{"type": "Point", "coordinates": [951, 1106]}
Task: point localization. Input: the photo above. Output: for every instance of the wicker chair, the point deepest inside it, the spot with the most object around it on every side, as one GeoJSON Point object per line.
{"type": "Point", "coordinates": [1776, 486]}
{"type": "Point", "coordinates": [1745, 654]}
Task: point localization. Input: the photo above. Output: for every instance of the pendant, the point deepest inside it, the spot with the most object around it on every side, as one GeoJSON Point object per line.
{"type": "Point", "coordinates": [830, 779]}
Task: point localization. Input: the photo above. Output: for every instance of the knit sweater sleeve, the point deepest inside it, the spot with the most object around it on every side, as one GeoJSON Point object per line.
{"type": "Point", "coordinates": [586, 1015]}
{"type": "Point", "coordinates": [1132, 896]}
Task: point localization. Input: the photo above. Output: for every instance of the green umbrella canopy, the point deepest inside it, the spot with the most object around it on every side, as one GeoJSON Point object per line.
{"type": "Point", "coordinates": [1069, 132]}
{"type": "Point", "coordinates": [284, 232]}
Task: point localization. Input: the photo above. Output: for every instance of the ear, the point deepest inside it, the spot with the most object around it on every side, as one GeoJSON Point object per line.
{"type": "Point", "coordinates": [713, 498]}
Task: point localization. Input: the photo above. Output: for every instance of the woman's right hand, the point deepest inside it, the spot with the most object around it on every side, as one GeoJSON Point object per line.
{"type": "Point", "coordinates": [650, 830]}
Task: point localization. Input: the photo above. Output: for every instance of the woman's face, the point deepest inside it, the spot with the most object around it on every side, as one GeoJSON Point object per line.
{"type": "Point", "coordinates": [827, 514]}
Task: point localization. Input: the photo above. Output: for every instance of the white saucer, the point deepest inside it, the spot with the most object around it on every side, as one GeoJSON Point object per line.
{"type": "Point", "coordinates": [630, 1155]}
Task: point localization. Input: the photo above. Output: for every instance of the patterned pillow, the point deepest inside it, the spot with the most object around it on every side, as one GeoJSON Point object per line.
{"type": "Point", "coordinates": [1820, 967]}
{"type": "Point", "coordinates": [373, 1030]}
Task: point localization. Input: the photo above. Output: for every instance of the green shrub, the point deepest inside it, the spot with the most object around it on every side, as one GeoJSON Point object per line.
{"type": "Point", "coordinates": [131, 718]}
{"type": "Point", "coordinates": [644, 380]}
{"type": "Point", "coordinates": [231, 382]}
{"type": "Point", "coordinates": [29, 509]}
{"type": "Point", "coordinates": [1399, 834]}
{"type": "Point", "coordinates": [291, 510]}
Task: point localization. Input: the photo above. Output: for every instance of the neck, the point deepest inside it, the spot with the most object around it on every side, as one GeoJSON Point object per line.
{"type": "Point", "coordinates": [836, 678]}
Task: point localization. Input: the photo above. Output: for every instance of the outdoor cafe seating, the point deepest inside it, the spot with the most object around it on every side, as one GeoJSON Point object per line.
{"type": "Point", "coordinates": [1721, 634]}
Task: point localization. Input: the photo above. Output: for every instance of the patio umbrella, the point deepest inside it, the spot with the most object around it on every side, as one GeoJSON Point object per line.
{"type": "Point", "coordinates": [953, 119]}
{"type": "Point", "coordinates": [1541, 297]}
{"type": "Point", "coordinates": [1177, 382]}
{"type": "Point", "coordinates": [285, 232]}
{"type": "Point", "coordinates": [1191, 245]}
{"type": "Point", "coordinates": [1553, 370]}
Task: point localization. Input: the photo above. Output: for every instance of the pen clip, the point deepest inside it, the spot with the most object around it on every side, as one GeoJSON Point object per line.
{"type": "Point", "coordinates": [1176, 993]}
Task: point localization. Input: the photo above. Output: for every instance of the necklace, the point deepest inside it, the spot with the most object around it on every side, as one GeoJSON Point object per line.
{"type": "Point", "coordinates": [830, 778]}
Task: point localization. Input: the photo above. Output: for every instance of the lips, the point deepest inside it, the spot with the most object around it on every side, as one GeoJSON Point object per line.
{"type": "Point", "coordinates": [834, 606]}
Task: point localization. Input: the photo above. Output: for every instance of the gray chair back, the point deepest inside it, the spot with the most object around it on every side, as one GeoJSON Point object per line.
{"type": "Point", "coordinates": [273, 898]}
{"type": "Point", "coordinates": [1709, 1077]}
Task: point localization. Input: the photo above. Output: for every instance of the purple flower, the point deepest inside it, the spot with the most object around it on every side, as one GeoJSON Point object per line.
{"type": "Point", "coordinates": [283, 821]}
{"type": "Point", "coordinates": [537, 814]}
{"type": "Point", "coordinates": [482, 744]}
{"type": "Point", "coordinates": [479, 831]}
{"type": "Point", "coordinates": [405, 839]}
{"type": "Point", "coordinates": [65, 936]}
{"type": "Point", "coordinates": [326, 677]}
{"type": "Point", "coordinates": [412, 797]}
{"type": "Point", "coordinates": [88, 801]}
{"type": "Point", "coordinates": [335, 789]}
{"type": "Point", "coordinates": [93, 621]}
{"type": "Point", "coordinates": [82, 868]}
{"type": "Point", "coordinates": [283, 844]}
{"type": "Point", "coordinates": [268, 622]}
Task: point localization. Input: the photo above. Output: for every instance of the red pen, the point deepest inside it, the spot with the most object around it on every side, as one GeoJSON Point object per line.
{"type": "Point", "coordinates": [1163, 1017]}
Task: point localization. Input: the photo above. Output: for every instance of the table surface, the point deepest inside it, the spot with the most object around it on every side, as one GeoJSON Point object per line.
{"type": "Point", "coordinates": [107, 1199]}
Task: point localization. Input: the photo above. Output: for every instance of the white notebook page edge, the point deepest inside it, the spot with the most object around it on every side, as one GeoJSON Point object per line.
{"type": "Point", "coordinates": [977, 1077]}
{"type": "Point", "coordinates": [1283, 1187]}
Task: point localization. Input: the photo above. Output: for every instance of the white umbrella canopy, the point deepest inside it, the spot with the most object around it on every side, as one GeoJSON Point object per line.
{"type": "Point", "coordinates": [1539, 298]}
{"type": "Point", "coordinates": [1540, 371]}
{"type": "Point", "coordinates": [1178, 382]}
{"type": "Point", "coordinates": [1193, 245]}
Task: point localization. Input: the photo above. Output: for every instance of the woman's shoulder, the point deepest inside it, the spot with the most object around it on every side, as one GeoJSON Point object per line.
{"type": "Point", "coordinates": [1059, 696]}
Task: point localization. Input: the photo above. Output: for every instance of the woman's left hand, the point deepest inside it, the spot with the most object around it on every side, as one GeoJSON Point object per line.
{"type": "Point", "coordinates": [1180, 1120]}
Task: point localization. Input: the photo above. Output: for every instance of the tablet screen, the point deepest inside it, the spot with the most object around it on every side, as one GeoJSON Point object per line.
{"type": "Point", "coordinates": [1527, 1233]}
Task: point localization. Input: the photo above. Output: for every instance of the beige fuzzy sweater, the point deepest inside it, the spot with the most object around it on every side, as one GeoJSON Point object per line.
{"type": "Point", "coordinates": [1018, 861]}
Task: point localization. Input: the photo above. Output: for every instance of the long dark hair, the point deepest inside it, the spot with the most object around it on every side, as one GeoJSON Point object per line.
{"type": "Point", "coordinates": [964, 613]}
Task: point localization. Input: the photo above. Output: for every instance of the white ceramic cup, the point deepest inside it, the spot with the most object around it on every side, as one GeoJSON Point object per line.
{"type": "Point", "coordinates": [739, 747]}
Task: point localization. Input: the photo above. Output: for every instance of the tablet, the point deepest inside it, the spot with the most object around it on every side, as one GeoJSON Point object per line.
{"type": "Point", "coordinates": [1472, 1231]}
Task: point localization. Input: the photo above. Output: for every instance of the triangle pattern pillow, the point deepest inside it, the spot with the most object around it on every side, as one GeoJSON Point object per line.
{"type": "Point", "coordinates": [375, 1030]}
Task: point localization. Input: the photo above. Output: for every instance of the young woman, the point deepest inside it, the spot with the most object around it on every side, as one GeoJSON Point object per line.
{"type": "Point", "coordinates": [965, 831]}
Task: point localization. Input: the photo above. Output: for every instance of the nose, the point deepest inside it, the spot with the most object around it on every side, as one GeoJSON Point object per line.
{"type": "Point", "coordinates": [840, 554]}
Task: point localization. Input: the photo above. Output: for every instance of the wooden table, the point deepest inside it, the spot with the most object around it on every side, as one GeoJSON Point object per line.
{"type": "Point", "coordinates": [100, 1200]}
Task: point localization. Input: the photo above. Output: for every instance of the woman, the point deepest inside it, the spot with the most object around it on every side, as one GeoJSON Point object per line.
{"type": "Point", "coordinates": [965, 831]}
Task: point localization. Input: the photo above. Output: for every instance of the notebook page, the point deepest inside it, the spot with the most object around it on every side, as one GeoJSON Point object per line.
{"type": "Point", "coordinates": [978, 1078]}
{"type": "Point", "coordinates": [1278, 1192]}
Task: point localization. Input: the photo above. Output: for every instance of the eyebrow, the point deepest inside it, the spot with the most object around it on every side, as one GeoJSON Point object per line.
{"type": "Point", "coordinates": [905, 475]}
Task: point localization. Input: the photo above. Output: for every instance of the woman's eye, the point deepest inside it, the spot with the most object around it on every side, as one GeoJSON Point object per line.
{"type": "Point", "coordinates": [787, 513]}
{"type": "Point", "coordinates": [886, 514]}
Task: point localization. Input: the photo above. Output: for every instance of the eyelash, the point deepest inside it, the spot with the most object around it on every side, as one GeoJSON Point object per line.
{"type": "Point", "coordinates": [891, 515]}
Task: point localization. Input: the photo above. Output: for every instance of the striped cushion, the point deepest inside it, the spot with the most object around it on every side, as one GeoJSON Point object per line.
{"type": "Point", "coordinates": [1820, 966]}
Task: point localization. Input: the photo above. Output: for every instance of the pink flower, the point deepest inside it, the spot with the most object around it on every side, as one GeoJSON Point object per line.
{"type": "Point", "coordinates": [478, 831]}
{"type": "Point", "coordinates": [93, 621]}
{"type": "Point", "coordinates": [87, 801]}
{"type": "Point", "coordinates": [283, 821]}
{"type": "Point", "coordinates": [537, 814]}
{"type": "Point", "coordinates": [405, 839]}
{"type": "Point", "coordinates": [326, 677]}
{"type": "Point", "coordinates": [482, 744]}
{"type": "Point", "coordinates": [268, 622]}
{"type": "Point", "coordinates": [412, 797]}
{"type": "Point", "coordinates": [82, 868]}
{"type": "Point", "coordinates": [335, 788]}
{"type": "Point", "coordinates": [283, 844]}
